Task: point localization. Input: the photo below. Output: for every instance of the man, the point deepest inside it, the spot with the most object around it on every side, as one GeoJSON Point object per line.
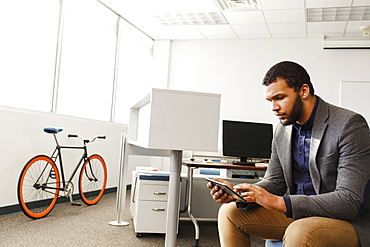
{"type": "Point", "coordinates": [316, 188]}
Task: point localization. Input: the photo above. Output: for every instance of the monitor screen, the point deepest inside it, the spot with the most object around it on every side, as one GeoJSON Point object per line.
{"type": "Point", "coordinates": [246, 140]}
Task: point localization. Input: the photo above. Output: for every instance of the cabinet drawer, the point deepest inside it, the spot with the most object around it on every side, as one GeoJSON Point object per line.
{"type": "Point", "coordinates": [151, 217]}
{"type": "Point", "coordinates": [153, 192]}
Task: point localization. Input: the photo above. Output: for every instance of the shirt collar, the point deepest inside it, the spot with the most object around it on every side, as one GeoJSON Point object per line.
{"type": "Point", "coordinates": [309, 123]}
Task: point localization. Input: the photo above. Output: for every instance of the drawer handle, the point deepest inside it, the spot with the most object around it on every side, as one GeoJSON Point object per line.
{"type": "Point", "coordinates": [158, 209]}
{"type": "Point", "coordinates": [159, 193]}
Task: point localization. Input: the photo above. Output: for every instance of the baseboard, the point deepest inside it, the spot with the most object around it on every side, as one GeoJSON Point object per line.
{"type": "Point", "coordinates": [16, 208]}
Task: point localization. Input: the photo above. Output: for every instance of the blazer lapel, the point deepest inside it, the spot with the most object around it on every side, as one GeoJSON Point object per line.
{"type": "Point", "coordinates": [286, 145]}
{"type": "Point", "coordinates": [318, 130]}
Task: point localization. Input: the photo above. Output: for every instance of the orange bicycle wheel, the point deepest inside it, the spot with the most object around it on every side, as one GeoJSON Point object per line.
{"type": "Point", "coordinates": [93, 179]}
{"type": "Point", "coordinates": [38, 187]}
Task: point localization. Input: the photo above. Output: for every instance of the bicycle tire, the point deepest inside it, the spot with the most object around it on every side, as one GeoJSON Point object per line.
{"type": "Point", "coordinates": [93, 179]}
{"type": "Point", "coordinates": [38, 187]}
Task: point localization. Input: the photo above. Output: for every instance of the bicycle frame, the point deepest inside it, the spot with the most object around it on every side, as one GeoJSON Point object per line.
{"type": "Point", "coordinates": [57, 155]}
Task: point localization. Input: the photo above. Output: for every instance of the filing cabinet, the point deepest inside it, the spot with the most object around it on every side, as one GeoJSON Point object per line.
{"type": "Point", "coordinates": [148, 206]}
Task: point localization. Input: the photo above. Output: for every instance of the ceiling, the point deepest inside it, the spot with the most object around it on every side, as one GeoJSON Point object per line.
{"type": "Point", "coordinates": [274, 19]}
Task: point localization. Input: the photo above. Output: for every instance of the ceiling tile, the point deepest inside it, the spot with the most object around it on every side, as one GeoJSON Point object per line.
{"type": "Point", "coordinates": [244, 17]}
{"type": "Point", "coordinates": [327, 3]}
{"type": "Point", "coordinates": [285, 16]}
{"type": "Point", "coordinates": [176, 6]}
{"type": "Point", "coordinates": [361, 3]}
{"type": "Point", "coordinates": [251, 29]}
{"type": "Point", "coordinates": [281, 4]}
{"type": "Point", "coordinates": [222, 30]}
{"type": "Point", "coordinates": [326, 27]}
{"type": "Point", "coordinates": [287, 28]}
{"type": "Point", "coordinates": [186, 32]}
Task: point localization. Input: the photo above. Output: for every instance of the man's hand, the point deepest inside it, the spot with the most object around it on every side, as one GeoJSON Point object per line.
{"type": "Point", "coordinates": [218, 194]}
{"type": "Point", "coordinates": [261, 196]}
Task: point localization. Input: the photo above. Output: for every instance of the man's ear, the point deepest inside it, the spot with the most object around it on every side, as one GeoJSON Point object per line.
{"type": "Point", "coordinates": [304, 91]}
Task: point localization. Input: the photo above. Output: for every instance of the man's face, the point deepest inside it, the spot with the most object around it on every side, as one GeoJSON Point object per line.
{"type": "Point", "coordinates": [286, 104]}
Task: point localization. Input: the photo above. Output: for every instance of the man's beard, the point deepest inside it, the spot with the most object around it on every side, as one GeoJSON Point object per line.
{"type": "Point", "coordinates": [296, 112]}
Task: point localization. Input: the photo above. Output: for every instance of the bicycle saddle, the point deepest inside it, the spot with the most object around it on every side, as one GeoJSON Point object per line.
{"type": "Point", "coordinates": [52, 130]}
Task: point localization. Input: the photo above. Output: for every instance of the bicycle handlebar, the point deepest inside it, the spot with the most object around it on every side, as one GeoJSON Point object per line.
{"type": "Point", "coordinates": [86, 140]}
{"type": "Point", "coordinates": [96, 137]}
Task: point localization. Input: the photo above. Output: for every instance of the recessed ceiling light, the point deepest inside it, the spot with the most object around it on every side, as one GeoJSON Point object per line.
{"type": "Point", "coordinates": [214, 18]}
{"type": "Point", "coordinates": [238, 5]}
{"type": "Point", "coordinates": [338, 14]}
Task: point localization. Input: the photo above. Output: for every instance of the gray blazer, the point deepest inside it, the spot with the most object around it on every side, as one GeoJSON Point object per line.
{"type": "Point", "coordinates": [339, 166]}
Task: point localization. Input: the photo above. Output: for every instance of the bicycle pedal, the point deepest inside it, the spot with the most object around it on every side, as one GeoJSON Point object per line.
{"type": "Point", "coordinates": [76, 204]}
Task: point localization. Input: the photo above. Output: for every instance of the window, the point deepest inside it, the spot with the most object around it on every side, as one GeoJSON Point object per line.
{"type": "Point", "coordinates": [85, 84]}
{"type": "Point", "coordinates": [135, 70]}
{"type": "Point", "coordinates": [27, 47]}
{"type": "Point", "coordinates": [87, 60]}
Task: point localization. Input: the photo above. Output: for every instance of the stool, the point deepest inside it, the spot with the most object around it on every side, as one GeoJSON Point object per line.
{"type": "Point", "coordinates": [270, 243]}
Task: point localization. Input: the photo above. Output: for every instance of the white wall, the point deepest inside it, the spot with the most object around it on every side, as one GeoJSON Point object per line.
{"type": "Point", "coordinates": [235, 68]}
{"type": "Point", "coordinates": [22, 137]}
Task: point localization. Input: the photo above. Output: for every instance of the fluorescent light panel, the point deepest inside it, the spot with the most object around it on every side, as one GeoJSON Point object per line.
{"type": "Point", "coordinates": [238, 5]}
{"type": "Point", "coordinates": [338, 14]}
{"type": "Point", "coordinates": [215, 18]}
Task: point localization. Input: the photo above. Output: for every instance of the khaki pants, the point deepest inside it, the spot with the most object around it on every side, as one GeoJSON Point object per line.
{"type": "Point", "coordinates": [236, 225]}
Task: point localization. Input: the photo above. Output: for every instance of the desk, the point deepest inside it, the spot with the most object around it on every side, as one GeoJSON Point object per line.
{"type": "Point", "coordinates": [189, 184]}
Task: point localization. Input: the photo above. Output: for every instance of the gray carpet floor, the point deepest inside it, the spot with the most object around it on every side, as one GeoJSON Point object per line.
{"type": "Point", "coordinates": [84, 225]}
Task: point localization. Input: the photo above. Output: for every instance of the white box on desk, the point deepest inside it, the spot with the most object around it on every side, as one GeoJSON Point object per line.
{"type": "Point", "coordinates": [176, 120]}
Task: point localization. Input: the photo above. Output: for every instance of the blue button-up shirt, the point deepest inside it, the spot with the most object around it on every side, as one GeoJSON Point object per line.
{"type": "Point", "coordinates": [301, 142]}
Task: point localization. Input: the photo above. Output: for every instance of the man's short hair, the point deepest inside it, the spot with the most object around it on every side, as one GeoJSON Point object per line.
{"type": "Point", "coordinates": [293, 74]}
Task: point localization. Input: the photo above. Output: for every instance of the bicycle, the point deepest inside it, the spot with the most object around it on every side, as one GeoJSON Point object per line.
{"type": "Point", "coordinates": [40, 181]}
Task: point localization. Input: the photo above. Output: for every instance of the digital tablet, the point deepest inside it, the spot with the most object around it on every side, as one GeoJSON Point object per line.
{"type": "Point", "coordinates": [227, 190]}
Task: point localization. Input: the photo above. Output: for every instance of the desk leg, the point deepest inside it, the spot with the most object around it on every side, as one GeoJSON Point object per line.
{"type": "Point", "coordinates": [190, 190]}
{"type": "Point", "coordinates": [173, 198]}
{"type": "Point", "coordinates": [121, 188]}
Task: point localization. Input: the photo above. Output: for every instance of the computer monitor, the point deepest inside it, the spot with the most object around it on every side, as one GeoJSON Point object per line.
{"type": "Point", "coordinates": [246, 140]}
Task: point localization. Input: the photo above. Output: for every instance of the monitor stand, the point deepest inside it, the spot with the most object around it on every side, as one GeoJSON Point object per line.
{"type": "Point", "coordinates": [243, 163]}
